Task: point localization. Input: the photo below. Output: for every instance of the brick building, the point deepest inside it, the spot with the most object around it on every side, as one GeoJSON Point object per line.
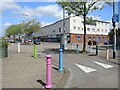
{"type": "Point", "coordinates": [74, 30]}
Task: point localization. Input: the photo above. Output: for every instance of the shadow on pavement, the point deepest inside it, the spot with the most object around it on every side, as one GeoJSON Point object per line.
{"type": "Point", "coordinates": [91, 54]}
{"type": "Point", "coordinates": [55, 68]}
{"type": "Point", "coordinates": [41, 82]}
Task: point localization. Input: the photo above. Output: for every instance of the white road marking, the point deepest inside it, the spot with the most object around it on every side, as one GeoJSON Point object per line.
{"type": "Point", "coordinates": [103, 65]}
{"type": "Point", "coordinates": [85, 69]}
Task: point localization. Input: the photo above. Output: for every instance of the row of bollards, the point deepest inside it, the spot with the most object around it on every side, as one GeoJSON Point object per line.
{"type": "Point", "coordinates": [107, 51]}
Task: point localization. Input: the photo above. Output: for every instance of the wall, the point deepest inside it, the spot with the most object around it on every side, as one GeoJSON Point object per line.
{"type": "Point", "coordinates": [74, 38]}
{"type": "Point", "coordinates": [78, 22]}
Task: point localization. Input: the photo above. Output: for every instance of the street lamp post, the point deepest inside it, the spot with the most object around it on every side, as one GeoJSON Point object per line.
{"type": "Point", "coordinates": [114, 31]}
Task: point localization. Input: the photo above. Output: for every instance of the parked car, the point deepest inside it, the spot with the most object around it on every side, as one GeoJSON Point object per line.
{"type": "Point", "coordinates": [12, 41]}
{"type": "Point", "coordinates": [37, 42]}
{"type": "Point", "coordinates": [26, 41]}
{"type": "Point", "coordinates": [108, 42]}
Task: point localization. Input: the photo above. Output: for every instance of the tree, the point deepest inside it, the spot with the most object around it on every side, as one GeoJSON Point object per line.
{"type": "Point", "coordinates": [82, 9]}
{"type": "Point", "coordinates": [14, 30]}
{"type": "Point", "coordinates": [31, 27]}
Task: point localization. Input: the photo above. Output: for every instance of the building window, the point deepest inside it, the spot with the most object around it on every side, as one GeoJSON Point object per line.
{"type": "Point", "coordinates": [82, 29]}
{"type": "Point", "coordinates": [93, 29]}
{"type": "Point", "coordinates": [98, 39]}
{"type": "Point", "coordinates": [90, 37]}
{"type": "Point", "coordinates": [94, 38]}
{"type": "Point", "coordinates": [102, 30]}
{"type": "Point", "coordinates": [74, 28]}
{"type": "Point", "coordinates": [74, 20]}
{"type": "Point", "coordinates": [78, 28]}
{"type": "Point", "coordinates": [103, 38]}
{"type": "Point", "coordinates": [88, 29]}
{"type": "Point", "coordinates": [59, 29]}
{"type": "Point", "coordinates": [79, 38]}
{"type": "Point", "coordinates": [53, 31]}
{"type": "Point", "coordinates": [98, 29]}
{"type": "Point", "coordinates": [106, 24]}
{"type": "Point", "coordinates": [105, 30]}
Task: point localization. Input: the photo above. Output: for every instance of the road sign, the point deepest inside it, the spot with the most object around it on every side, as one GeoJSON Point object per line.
{"type": "Point", "coordinates": [115, 18]}
{"type": "Point", "coordinates": [33, 34]}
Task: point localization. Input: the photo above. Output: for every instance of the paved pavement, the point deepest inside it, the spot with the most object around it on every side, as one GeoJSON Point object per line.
{"type": "Point", "coordinates": [86, 71]}
{"type": "Point", "coordinates": [21, 70]}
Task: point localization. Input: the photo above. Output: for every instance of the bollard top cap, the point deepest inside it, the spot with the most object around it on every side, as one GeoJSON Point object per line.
{"type": "Point", "coordinates": [48, 56]}
{"type": "Point", "coordinates": [61, 50]}
{"type": "Point", "coordinates": [107, 47]}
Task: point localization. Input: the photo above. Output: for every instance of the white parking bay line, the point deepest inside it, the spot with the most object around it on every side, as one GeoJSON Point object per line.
{"type": "Point", "coordinates": [103, 65]}
{"type": "Point", "coordinates": [85, 69]}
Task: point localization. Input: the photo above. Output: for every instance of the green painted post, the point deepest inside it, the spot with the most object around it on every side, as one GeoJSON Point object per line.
{"type": "Point", "coordinates": [35, 51]}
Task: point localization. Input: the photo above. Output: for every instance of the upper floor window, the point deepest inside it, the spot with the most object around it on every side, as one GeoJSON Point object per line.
{"type": "Point", "coordinates": [74, 20]}
{"type": "Point", "coordinates": [88, 29]}
{"type": "Point", "coordinates": [93, 29]}
{"type": "Point", "coordinates": [59, 29]}
{"type": "Point", "coordinates": [105, 30]}
{"type": "Point", "coordinates": [98, 29]}
{"type": "Point", "coordinates": [53, 30]}
{"type": "Point", "coordinates": [74, 28]}
{"type": "Point", "coordinates": [78, 28]}
{"type": "Point", "coordinates": [102, 30]}
{"type": "Point", "coordinates": [82, 29]}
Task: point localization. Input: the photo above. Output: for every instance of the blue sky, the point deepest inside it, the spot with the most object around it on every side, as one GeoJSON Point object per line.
{"type": "Point", "coordinates": [45, 12]}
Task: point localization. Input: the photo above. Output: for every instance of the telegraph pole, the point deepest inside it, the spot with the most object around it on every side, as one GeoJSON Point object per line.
{"type": "Point", "coordinates": [114, 31]}
{"type": "Point", "coordinates": [63, 30]}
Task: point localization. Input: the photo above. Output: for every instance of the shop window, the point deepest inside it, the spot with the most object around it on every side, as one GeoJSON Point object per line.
{"type": "Point", "coordinates": [79, 38]}
{"type": "Point", "coordinates": [103, 38]}
{"type": "Point", "coordinates": [94, 38]}
{"type": "Point", "coordinates": [98, 39]}
{"type": "Point", "coordinates": [90, 37]}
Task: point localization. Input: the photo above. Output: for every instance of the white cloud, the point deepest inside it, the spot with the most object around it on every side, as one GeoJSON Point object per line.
{"type": "Point", "coordinates": [8, 6]}
{"type": "Point", "coordinates": [50, 10]}
{"type": "Point", "coordinates": [6, 0]}
{"type": "Point", "coordinates": [7, 24]}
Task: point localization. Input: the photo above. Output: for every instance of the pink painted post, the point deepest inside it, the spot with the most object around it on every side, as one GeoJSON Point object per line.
{"type": "Point", "coordinates": [48, 72]}
{"type": "Point", "coordinates": [107, 53]}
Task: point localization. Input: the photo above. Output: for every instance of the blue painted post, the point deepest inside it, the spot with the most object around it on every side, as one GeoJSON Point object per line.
{"type": "Point", "coordinates": [90, 48]}
{"type": "Point", "coordinates": [77, 49]}
{"type": "Point", "coordinates": [96, 49]}
{"type": "Point", "coordinates": [60, 60]}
